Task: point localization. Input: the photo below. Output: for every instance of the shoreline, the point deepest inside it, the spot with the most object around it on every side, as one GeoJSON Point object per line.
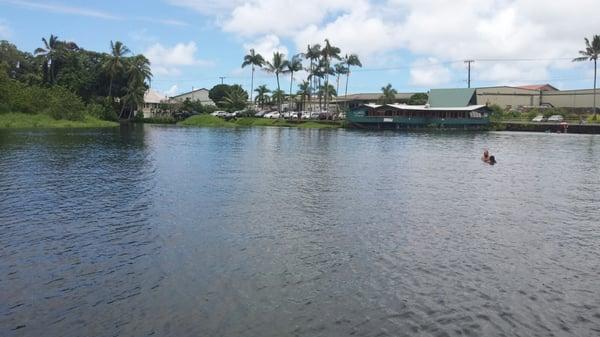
{"type": "Point", "coordinates": [18, 120]}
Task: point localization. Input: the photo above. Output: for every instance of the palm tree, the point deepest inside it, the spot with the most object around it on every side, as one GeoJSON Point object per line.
{"type": "Point", "coordinates": [138, 68]}
{"type": "Point", "coordinates": [262, 96]}
{"type": "Point", "coordinates": [327, 91]}
{"type": "Point", "coordinates": [114, 62]}
{"type": "Point", "coordinates": [350, 60]}
{"type": "Point", "coordinates": [278, 96]}
{"type": "Point", "coordinates": [388, 94]}
{"type": "Point", "coordinates": [292, 66]}
{"type": "Point", "coordinates": [255, 60]}
{"type": "Point", "coordinates": [277, 66]}
{"type": "Point", "coordinates": [236, 98]}
{"type": "Point", "coordinates": [313, 53]}
{"type": "Point", "coordinates": [329, 52]}
{"type": "Point", "coordinates": [339, 69]}
{"type": "Point", "coordinates": [133, 98]}
{"type": "Point", "coordinates": [304, 91]}
{"type": "Point", "coordinates": [591, 52]}
{"type": "Point", "coordinates": [51, 52]}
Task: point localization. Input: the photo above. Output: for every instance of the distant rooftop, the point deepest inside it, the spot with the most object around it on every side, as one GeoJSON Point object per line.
{"type": "Point", "coordinates": [152, 96]}
{"type": "Point", "coordinates": [542, 87]}
{"type": "Point", "coordinates": [451, 98]}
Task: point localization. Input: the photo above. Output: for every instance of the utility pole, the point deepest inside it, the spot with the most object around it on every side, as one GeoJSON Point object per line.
{"type": "Point", "coordinates": [468, 62]}
{"type": "Point", "coordinates": [222, 78]}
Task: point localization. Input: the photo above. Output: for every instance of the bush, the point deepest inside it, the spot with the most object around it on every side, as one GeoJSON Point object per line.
{"type": "Point", "coordinates": [101, 111]}
{"type": "Point", "coordinates": [64, 104]}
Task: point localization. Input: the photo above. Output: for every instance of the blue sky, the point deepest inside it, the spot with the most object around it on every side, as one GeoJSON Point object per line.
{"type": "Point", "coordinates": [414, 45]}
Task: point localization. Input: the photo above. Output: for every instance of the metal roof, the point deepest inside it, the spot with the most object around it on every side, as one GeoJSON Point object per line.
{"type": "Point", "coordinates": [451, 98]}
{"type": "Point", "coordinates": [428, 108]}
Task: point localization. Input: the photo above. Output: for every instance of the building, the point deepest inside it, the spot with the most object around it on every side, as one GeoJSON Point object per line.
{"type": "Point", "coordinates": [541, 95]}
{"type": "Point", "coordinates": [152, 102]}
{"type": "Point", "coordinates": [194, 95]}
{"type": "Point", "coordinates": [446, 108]}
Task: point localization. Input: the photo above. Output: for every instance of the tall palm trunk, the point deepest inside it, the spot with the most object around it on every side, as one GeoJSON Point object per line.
{"type": "Point", "coordinates": [110, 86]}
{"type": "Point", "coordinates": [252, 87]}
{"type": "Point", "coordinates": [291, 84]}
{"type": "Point", "coordinates": [278, 98]}
{"type": "Point", "coordinates": [595, 70]}
{"type": "Point", "coordinates": [346, 91]}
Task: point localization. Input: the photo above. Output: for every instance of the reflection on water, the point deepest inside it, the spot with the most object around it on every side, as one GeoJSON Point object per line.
{"type": "Point", "coordinates": [173, 231]}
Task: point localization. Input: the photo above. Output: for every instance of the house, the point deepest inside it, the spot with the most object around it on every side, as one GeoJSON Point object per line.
{"type": "Point", "coordinates": [152, 102]}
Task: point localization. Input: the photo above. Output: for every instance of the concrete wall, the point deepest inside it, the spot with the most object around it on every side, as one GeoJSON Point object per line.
{"type": "Point", "coordinates": [507, 97]}
{"type": "Point", "coordinates": [572, 98]}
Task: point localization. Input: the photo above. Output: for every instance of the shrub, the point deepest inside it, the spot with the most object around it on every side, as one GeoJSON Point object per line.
{"type": "Point", "coordinates": [64, 104]}
{"type": "Point", "coordinates": [101, 111]}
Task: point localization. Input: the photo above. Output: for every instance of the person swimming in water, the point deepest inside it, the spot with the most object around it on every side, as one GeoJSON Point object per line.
{"type": "Point", "coordinates": [486, 156]}
{"type": "Point", "coordinates": [492, 160]}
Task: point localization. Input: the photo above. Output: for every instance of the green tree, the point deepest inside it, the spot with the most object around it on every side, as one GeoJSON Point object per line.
{"type": "Point", "coordinates": [218, 92]}
{"type": "Point", "coordinates": [329, 53]}
{"type": "Point", "coordinates": [114, 62]}
{"type": "Point", "coordinates": [278, 96]}
{"type": "Point", "coordinates": [313, 53]}
{"type": "Point", "coordinates": [419, 98]}
{"type": "Point", "coordinates": [255, 60]}
{"type": "Point", "coordinates": [351, 60]}
{"type": "Point", "coordinates": [591, 52]}
{"type": "Point", "coordinates": [51, 53]}
{"type": "Point", "coordinates": [293, 65]}
{"type": "Point", "coordinates": [138, 68]}
{"type": "Point", "coordinates": [339, 69]}
{"type": "Point", "coordinates": [133, 98]}
{"type": "Point", "coordinates": [262, 96]}
{"type": "Point", "coordinates": [277, 66]}
{"type": "Point", "coordinates": [388, 94]}
{"type": "Point", "coordinates": [235, 98]}
{"type": "Point", "coordinates": [327, 91]}
{"type": "Point", "coordinates": [304, 91]}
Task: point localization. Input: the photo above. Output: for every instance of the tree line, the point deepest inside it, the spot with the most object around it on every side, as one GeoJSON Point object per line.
{"type": "Point", "coordinates": [324, 63]}
{"type": "Point", "coordinates": [109, 85]}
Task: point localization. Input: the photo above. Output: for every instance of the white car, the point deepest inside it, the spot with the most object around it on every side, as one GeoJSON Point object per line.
{"type": "Point", "coordinates": [260, 114]}
{"type": "Point", "coordinates": [555, 118]}
{"type": "Point", "coordinates": [272, 115]}
{"type": "Point", "coordinates": [538, 118]}
{"type": "Point", "coordinates": [219, 113]}
{"type": "Point", "coordinates": [314, 115]}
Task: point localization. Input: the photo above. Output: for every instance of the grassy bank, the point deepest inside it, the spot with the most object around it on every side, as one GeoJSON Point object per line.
{"type": "Point", "coordinates": [23, 121]}
{"type": "Point", "coordinates": [212, 121]}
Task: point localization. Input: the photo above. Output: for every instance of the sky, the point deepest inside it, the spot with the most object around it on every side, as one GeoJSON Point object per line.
{"type": "Point", "coordinates": [415, 45]}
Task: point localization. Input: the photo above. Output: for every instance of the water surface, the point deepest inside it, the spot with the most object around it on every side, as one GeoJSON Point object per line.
{"type": "Point", "coordinates": [169, 231]}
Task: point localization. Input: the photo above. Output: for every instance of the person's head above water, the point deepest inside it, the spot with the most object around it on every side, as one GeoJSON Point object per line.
{"type": "Point", "coordinates": [486, 153]}
{"type": "Point", "coordinates": [492, 160]}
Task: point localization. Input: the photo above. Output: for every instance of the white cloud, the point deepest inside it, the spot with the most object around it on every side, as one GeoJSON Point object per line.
{"type": "Point", "coordinates": [167, 61]}
{"type": "Point", "coordinates": [429, 72]}
{"type": "Point", "coordinates": [441, 29]}
{"type": "Point", "coordinates": [266, 46]}
{"type": "Point", "coordinates": [173, 90]}
{"type": "Point", "coordinates": [5, 31]}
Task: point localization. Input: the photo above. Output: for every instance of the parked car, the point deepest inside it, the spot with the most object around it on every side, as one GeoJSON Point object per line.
{"type": "Point", "coordinates": [272, 115]}
{"type": "Point", "coordinates": [260, 114]}
{"type": "Point", "coordinates": [219, 113]}
{"type": "Point", "coordinates": [555, 118]}
{"type": "Point", "coordinates": [538, 118]}
{"type": "Point", "coordinates": [314, 115]}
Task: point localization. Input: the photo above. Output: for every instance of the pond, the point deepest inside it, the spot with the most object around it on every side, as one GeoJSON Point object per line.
{"type": "Point", "coordinates": [172, 231]}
